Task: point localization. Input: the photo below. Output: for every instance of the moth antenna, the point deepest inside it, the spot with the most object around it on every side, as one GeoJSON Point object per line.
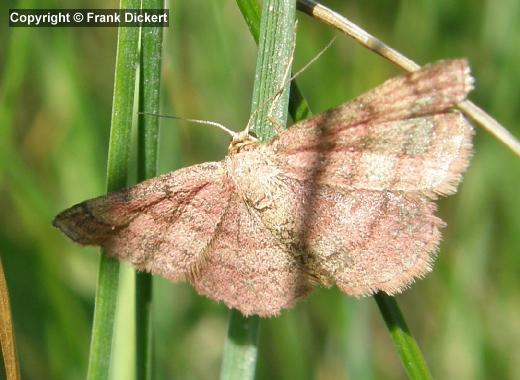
{"type": "Point", "coordinates": [233, 134]}
{"type": "Point", "coordinates": [314, 59]}
{"type": "Point", "coordinates": [286, 81]}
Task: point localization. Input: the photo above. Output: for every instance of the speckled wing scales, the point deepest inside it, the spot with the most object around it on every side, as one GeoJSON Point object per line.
{"type": "Point", "coordinates": [247, 269]}
{"type": "Point", "coordinates": [363, 241]}
{"type": "Point", "coordinates": [163, 225]}
{"type": "Point", "coordinates": [363, 178]}
{"type": "Point", "coordinates": [426, 154]}
{"type": "Point", "coordinates": [400, 136]}
{"type": "Point", "coordinates": [368, 241]}
{"type": "Point", "coordinates": [430, 90]}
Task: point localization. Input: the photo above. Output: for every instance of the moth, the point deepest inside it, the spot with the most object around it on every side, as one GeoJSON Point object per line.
{"type": "Point", "coordinates": [345, 198]}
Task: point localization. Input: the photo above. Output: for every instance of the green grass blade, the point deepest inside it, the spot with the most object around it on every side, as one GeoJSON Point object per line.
{"type": "Point", "coordinates": [298, 106]}
{"type": "Point", "coordinates": [117, 167]}
{"type": "Point", "coordinates": [275, 51]}
{"type": "Point", "coordinates": [274, 54]}
{"type": "Point", "coordinates": [251, 12]}
{"type": "Point", "coordinates": [240, 349]}
{"type": "Point", "coordinates": [407, 347]}
{"type": "Point", "coordinates": [148, 132]}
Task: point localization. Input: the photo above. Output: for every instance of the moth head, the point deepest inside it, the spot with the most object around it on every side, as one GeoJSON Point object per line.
{"type": "Point", "coordinates": [242, 141]}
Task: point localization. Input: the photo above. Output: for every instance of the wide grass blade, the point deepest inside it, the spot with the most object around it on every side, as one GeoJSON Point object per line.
{"type": "Point", "coordinates": [298, 106]}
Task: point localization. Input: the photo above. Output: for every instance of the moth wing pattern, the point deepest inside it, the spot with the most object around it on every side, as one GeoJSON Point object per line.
{"type": "Point", "coordinates": [363, 241]}
{"type": "Point", "coordinates": [368, 241]}
{"type": "Point", "coordinates": [247, 269]}
{"type": "Point", "coordinates": [426, 154]}
{"type": "Point", "coordinates": [343, 198]}
{"type": "Point", "coordinates": [367, 174]}
{"type": "Point", "coordinates": [431, 89]}
{"type": "Point", "coordinates": [163, 225]}
{"type": "Point", "coordinates": [400, 136]}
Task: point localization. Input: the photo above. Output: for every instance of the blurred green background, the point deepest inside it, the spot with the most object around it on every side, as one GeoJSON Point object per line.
{"type": "Point", "coordinates": [55, 104]}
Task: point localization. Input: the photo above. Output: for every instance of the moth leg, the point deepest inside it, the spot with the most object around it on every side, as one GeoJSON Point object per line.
{"type": "Point", "coordinates": [279, 128]}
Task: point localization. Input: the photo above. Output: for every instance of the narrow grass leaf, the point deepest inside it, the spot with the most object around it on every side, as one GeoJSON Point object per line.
{"type": "Point", "coordinates": [407, 347]}
{"type": "Point", "coordinates": [117, 168]}
{"type": "Point", "coordinates": [148, 132]}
